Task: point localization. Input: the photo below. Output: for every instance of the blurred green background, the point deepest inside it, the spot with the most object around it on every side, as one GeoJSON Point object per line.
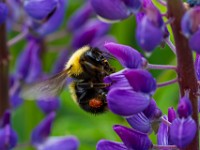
{"type": "Point", "coordinates": [70, 119]}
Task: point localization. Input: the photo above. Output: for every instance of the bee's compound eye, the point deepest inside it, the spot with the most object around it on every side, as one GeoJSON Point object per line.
{"type": "Point", "coordinates": [95, 103]}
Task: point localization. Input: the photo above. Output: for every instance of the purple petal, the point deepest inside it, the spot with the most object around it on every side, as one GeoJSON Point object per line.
{"type": "Point", "coordinates": [171, 114]}
{"type": "Point", "coordinates": [117, 80]}
{"type": "Point", "coordinates": [8, 138]}
{"type": "Point", "coordinates": [23, 61]}
{"type": "Point", "coordinates": [144, 31]}
{"type": "Point", "coordinates": [60, 143]}
{"type": "Point", "coordinates": [194, 41]}
{"type": "Point", "coordinates": [90, 31]}
{"type": "Point", "coordinates": [54, 22]}
{"type": "Point", "coordinates": [140, 122]}
{"type": "Point", "coordinates": [42, 131]}
{"type": "Point", "coordinates": [141, 80]}
{"type": "Point", "coordinates": [47, 106]}
{"type": "Point", "coordinates": [150, 110]}
{"type": "Point", "coordinates": [3, 12]}
{"type": "Point", "coordinates": [133, 139]}
{"type": "Point", "coordinates": [60, 62]}
{"type": "Point", "coordinates": [39, 9]}
{"type": "Point", "coordinates": [35, 68]}
{"type": "Point", "coordinates": [197, 66]}
{"type": "Point", "coordinates": [190, 21]}
{"type": "Point", "coordinates": [79, 17]}
{"type": "Point", "coordinates": [110, 145]}
{"type": "Point", "coordinates": [15, 98]}
{"type": "Point", "coordinates": [111, 9]}
{"type": "Point", "coordinates": [184, 107]}
{"type": "Point", "coordinates": [126, 102]}
{"type": "Point", "coordinates": [162, 135]}
{"type": "Point", "coordinates": [126, 55]}
{"type": "Point", "coordinates": [133, 5]}
{"type": "Point", "coordinates": [182, 131]}
{"type": "Point", "coordinates": [5, 119]}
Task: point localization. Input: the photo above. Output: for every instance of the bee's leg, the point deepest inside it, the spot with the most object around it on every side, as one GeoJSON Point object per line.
{"type": "Point", "coordinates": [92, 68]}
{"type": "Point", "coordinates": [93, 85]}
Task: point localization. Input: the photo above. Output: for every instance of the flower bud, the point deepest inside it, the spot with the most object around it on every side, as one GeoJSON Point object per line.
{"type": "Point", "coordinates": [171, 114]}
{"type": "Point", "coordinates": [190, 27]}
{"type": "Point", "coordinates": [184, 107]}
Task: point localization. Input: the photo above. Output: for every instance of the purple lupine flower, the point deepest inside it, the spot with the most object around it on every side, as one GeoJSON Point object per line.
{"type": "Point", "coordinates": [3, 12]}
{"type": "Point", "coordinates": [132, 139]}
{"type": "Point", "coordinates": [35, 66]}
{"type": "Point", "coordinates": [147, 119]}
{"type": "Point", "coordinates": [140, 122]}
{"type": "Point", "coordinates": [14, 13]}
{"type": "Point", "coordinates": [141, 81]}
{"type": "Point", "coordinates": [124, 95]}
{"type": "Point", "coordinates": [190, 27]}
{"type": "Point", "coordinates": [60, 143]}
{"type": "Point", "coordinates": [152, 111]}
{"type": "Point", "coordinates": [42, 141]}
{"type": "Point", "coordinates": [51, 12]}
{"type": "Point", "coordinates": [126, 102]}
{"type": "Point", "coordinates": [118, 79]}
{"type": "Point", "coordinates": [23, 62]}
{"type": "Point", "coordinates": [126, 55]}
{"type": "Point", "coordinates": [15, 98]}
{"type": "Point", "coordinates": [5, 118]}
{"type": "Point", "coordinates": [55, 20]}
{"type": "Point", "coordinates": [115, 10]}
{"type": "Point", "coordinates": [39, 9]}
{"type": "Point", "coordinates": [47, 106]}
{"type": "Point", "coordinates": [182, 131]}
{"type": "Point", "coordinates": [28, 69]}
{"type": "Point", "coordinates": [42, 131]}
{"type": "Point", "coordinates": [163, 137]}
{"type": "Point", "coordinates": [79, 18]}
{"type": "Point", "coordinates": [87, 33]}
{"type": "Point", "coordinates": [150, 23]}
{"type": "Point", "coordinates": [163, 133]}
{"type": "Point", "coordinates": [8, 137]}
{"type": "Point", "coordinates": [130, 88]}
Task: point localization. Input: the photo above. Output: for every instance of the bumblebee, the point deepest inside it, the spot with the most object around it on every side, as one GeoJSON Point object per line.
{"type": "Point", "coordinates": [87, 66]}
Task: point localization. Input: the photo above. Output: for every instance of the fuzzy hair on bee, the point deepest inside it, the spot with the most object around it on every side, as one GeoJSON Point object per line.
{"type": "Point", "coordinates": [88, 67]}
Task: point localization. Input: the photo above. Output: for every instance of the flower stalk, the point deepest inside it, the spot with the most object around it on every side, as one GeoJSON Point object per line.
{"type": "Point", "coordinates": [185, 66]}
{"type": "Point", "coordinates": [4, 70]}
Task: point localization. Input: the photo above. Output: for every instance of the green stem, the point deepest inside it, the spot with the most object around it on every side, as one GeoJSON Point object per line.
{"type": "Point", "coordinates": [185, 65]}
{"type": "Point", "coordinates": [4, 71]}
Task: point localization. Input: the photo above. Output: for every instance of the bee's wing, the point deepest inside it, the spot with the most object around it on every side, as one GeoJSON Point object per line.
{"type": "Point", "coordinates": [45, 89]}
